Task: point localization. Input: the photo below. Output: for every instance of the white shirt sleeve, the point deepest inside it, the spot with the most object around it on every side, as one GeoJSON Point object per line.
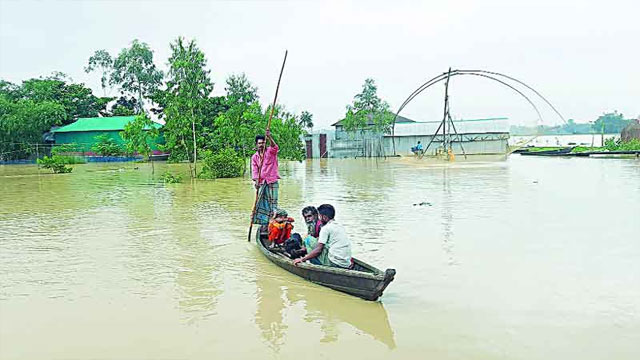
{"type": "Point", "coordinates": [324, 234]}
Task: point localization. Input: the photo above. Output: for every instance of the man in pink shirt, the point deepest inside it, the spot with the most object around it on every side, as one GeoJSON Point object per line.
{"type": "Point", "coordinates": [264, 171]}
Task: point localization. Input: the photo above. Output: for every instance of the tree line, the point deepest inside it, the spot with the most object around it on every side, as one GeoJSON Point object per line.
{"type": "Point", "coordinates": [197, 124]}
{"type": "Point", "coordinates": [607, 123]}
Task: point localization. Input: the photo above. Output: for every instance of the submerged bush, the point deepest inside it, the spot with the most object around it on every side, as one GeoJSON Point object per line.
{"type": "Point", "coordinates": [225, 163]}
{"type": "Point", "coordinates": [57, 163]}
{"type": "Point", "coordinates": [106, 146]}
{"type": "Point", "coordinates": [610, 144]}
{"type": "Point", "coordinates": [169, 178]}
{"type": "Point", "coordinates": [619, 145]}
{"type": "Point", "coordinates": [633, 144]}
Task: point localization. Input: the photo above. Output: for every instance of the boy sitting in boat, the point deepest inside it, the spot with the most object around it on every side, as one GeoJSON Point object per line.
{"type": "Point", "coordinates": [280, 227]}
{"type": "Point", "coordinates": [334, 246]}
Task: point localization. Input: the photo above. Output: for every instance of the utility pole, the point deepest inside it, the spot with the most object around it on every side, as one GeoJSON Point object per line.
{"type": "Point", "coordinates": [446, 144]}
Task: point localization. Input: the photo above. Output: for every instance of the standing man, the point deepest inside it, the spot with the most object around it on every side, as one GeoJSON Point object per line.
{"type": "Point", "coordinates": [334, 246]}
{"type": "Point", "coordinates": [265, 178]}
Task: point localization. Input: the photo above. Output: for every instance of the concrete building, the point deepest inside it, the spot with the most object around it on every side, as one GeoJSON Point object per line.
{"type": "Point", "coordinates": [359, 143]}
{"type": "Point", "coordinates": [476, 136]}
{"type": "Point", "coordinates": [317, 143]}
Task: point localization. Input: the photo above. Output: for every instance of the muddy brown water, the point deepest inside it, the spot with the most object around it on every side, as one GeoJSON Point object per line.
{"type": "Point", "coordinates": [527, 258]}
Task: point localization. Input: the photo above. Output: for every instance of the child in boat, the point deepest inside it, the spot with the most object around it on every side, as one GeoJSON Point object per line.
{"type": "Point", "coordinates": [280, 227]}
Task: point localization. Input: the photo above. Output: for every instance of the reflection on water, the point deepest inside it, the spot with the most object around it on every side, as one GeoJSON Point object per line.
{"type": "Point", "coordinates": [525, 258]}
{"type": "Point", "coordinates": [328, 309]}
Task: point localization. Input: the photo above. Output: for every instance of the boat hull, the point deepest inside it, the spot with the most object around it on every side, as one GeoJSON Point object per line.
{"type": "Point", "coordinates": [366, 281]}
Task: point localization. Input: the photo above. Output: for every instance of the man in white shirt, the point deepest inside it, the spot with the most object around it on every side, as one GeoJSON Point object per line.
{"type": "Point", "coordinates": [334, 246]}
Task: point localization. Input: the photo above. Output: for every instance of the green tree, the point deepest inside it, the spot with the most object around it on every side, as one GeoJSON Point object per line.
{"type": "Point", "coordinates": [101, 60]}
{"type": "Point", "coordinates": [610, 123]}
{"type": "Point", "coordinates": [186, 99]}
{"type": "Point", "coordinates": [240, 90]}
{"type": "Point", "coordinates": [287, 133]}
{"type": "Point", "coordinates": [139, 135]}
{"type": "Point", "coordinates": [10, 90]}
{"type": "Point", "coordinates": [22, 124]}
{"type": "Point", "coordinates": [77, 100]}
{"type": "Point", "coordinates": [368, 111]}
{"type": "Point", "coordinates": [124, 106]}
{"type": "Point", "coordinates": [225, 163]}
{"type": "Point", "coordinates": [235, 127]}
{"type": "Point", "coordinates": [135, 73]}
{"type": "Point", "coordinates": [306, 120]}
{"type": "Point", "coordinates": [106, 146]}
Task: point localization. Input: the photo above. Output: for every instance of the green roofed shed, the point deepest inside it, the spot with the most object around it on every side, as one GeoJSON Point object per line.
{"type": "Point", "coordinates": [84, 131]}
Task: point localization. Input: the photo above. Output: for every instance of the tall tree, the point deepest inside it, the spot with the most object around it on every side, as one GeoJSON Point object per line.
{"type": "Point", "coordinates": [135, 72]}
{"type": "Point", "coordinates": [101, 60]}
{"type": "Point", "coordinates": [124, 106]}
{"type": "Point", "coordinates": [188, 90]}
{"type": "Point", "coordinates": [139, 135]}
{"type": "Point", "coordinates": [22, 124]}
{"type": "Point", "coordinates": [77, 99]}
{"type": "Point", "coordinates": [368, 111]}
{"type": "Point", "coordinates": [306, 120]}
{"type": "Point", "coordinates": [235, 127]}
{"type": "Point", "coordinates": [610, 123]}
{"type": "Point", "coordinates": [240, 90]}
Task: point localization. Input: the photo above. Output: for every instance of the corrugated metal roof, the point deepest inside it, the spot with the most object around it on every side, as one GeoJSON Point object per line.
{"type": "Point", "coordinates": [491, 125]}
{"type": "Point", "coordinates": [114, 123]}
{"type": "Point", "coordinates": [400, 119]}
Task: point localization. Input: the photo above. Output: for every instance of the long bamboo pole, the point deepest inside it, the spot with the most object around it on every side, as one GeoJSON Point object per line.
{"type": "Point", "coordinates": [273, 106]}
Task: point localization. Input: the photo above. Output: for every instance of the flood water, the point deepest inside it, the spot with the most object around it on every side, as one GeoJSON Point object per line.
{"type": "Point", "coordinates": [528, 258]}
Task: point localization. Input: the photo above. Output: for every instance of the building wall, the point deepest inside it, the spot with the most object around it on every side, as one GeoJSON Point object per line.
{"type": "Point", "coordinates": [85, 139]}
{"type": "Point", "coordinates": [473, 144]}
{"type": "Point", "coordinates": [316, 147]}
{"type": "Point", "coordinates": [477, 137]}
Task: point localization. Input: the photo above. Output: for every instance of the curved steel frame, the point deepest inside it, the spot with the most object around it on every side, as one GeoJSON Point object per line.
{"type": "Point", "coordinates": [492, 75]}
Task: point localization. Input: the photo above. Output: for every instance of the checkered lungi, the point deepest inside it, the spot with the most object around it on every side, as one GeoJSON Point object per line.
{"type": "Point", "coordinates": [267, 203]}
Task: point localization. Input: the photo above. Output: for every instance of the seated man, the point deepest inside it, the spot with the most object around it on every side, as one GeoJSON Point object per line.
{"type": "Point", "coordinates": [334, 246]}
{"type": "Point", "coordinates": [417, 149]}
{"type": "Point", "coordinates": [296, 246]}
{"type": "Point", "coordinates": [280, 227]}
{"type": "Point", "coordinates": [310, 215]}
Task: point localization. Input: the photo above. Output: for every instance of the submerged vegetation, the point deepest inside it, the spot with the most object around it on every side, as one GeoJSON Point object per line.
{"type": "Point", "coordinates": [609, 145]}
{"type": "Point", "coordinates": [225, 163]}
{"type": "Point", "coordinates": [619, 145]}
{"type": "Point", "coordinates": [170, 178]}
{"type": "Point", "coordinates": [60, 158]}
{"type": "Point", "coordinates": [106, 146]}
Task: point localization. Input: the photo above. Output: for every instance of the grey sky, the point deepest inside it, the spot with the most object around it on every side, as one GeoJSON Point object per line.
{"type": "Point", "coordinates": [582, 55]}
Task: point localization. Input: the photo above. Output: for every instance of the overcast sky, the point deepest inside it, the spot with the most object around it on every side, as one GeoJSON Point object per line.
{"type": "Point", "coordinates": [584, 56]}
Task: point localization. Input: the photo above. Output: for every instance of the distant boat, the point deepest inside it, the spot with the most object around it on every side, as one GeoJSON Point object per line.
{"type": "Point", "coordinates": [563, 151]}
{"type": "Point", "coordinates": [364, 281]}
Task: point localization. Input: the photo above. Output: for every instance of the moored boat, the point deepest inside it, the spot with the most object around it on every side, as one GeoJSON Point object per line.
{"type": "Point", "coordinates": [364, 281]}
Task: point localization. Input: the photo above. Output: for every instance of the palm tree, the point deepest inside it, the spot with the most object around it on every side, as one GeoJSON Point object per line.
{"type": "Point", "coordinates": [306, 120]}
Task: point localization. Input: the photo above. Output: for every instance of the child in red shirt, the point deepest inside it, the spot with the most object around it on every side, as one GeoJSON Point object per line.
{"type": "Point", "coordinates": [280, 227]}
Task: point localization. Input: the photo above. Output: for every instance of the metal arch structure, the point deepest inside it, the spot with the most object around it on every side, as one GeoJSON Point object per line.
{"type": "Point", "coordinates": [491, 75]}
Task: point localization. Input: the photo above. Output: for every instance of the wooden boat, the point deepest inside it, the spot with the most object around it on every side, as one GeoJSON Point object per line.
{"type": "Point", "coordinates": [557, 152]}
{"type": "Point", "coordinates": [364, 280]}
